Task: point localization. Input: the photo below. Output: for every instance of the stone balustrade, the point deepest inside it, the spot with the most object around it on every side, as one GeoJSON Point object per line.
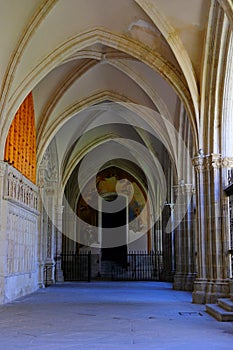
{"type": "Point", "coordinates": [17, 188]}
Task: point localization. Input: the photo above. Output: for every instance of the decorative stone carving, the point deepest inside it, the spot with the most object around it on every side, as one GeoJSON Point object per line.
{"type": "Point", "coordinates": [48, 172]}
{"type": "Point", "coordinates": [205, 162]}
{"type": "Point", "coordinates": [21, 241]}
{"type": "Point", "coordinates": [49, 238]}
{"type": "Point", "coordinates": [183, 188]}
{"type": "Point", "coordinates": [48, 183]}
{"type": "Point", "coordinates": [49, 191]}
{"type": "Point", "coordinates": [21, 190]}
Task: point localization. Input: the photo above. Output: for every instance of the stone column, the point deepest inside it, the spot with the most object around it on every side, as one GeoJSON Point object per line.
{"type": "Point", "coordinates": [40, 240]}
{"type": "Point", "coordinates": [229, 192]}
{"type": "Point", "coordinates": [231, 244]}
{"type": "Point", "coordinates": [49, 226]}
{"type": "Point", "coordinates": [184, 238]}
{"type": "Point", "coordinates": [58, 215]}
{"type": "Point", "coordinates": [167, 273]}
{"type": "Point", "coordinates": [212, 236]}
{"type": "Point", "coordinates": [48, 179]}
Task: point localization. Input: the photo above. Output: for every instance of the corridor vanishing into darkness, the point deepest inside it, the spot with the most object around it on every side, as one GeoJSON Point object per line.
{"type": "Point", "coordinates": [110, 315]}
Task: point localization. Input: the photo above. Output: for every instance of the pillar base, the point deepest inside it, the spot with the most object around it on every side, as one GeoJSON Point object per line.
{"type": "Point", "coordinates": [166, 276]}
{"type": "Point", "coordinates": [207, 292]}
{"type": "Point", "coordinates": [231, 288]}
{"type": "Point", "coordinates": [2, 289]}
{"type": "Point", "coordinates": [59, 276]}
{"type": "Point", "coordinates": [49, 272]}
{"type": "Point", "coordinates": [41, 269]}
{"type": "Point", "coordinates": [184, 281]}
{"type": "Point", "coordinates": [59, 273]}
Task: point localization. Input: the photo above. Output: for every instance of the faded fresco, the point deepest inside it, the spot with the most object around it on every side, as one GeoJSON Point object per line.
{"type": "Point", "coordinates": [116, 181]}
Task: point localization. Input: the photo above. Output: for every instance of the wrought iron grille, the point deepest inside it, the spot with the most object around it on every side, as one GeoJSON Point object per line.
{"type": "Point", "coordinates": [76, 267]}
{"type": "Point", "coordinates": [140, 266]}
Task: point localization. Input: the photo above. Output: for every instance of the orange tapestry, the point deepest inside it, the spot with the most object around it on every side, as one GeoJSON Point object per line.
{"type": "Point", "coordinates": [20, 148]}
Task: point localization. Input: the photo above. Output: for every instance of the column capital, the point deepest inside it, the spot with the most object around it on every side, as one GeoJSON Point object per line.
{"type": "Point", "coordinates": [205, 162]}
{"type": "Point", "coordinates": [183, 188]}
{"type": "Point", "coordinates": [227, 162]}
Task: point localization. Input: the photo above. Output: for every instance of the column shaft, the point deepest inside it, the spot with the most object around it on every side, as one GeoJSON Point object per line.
{"type": "Point", "coordinates": [184, 239]}
{"type": "Point", "coordinates": [212, 237]}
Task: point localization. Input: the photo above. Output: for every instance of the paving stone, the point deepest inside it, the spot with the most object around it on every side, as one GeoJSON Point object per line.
{"type": "Point", "coordinates": [111, 315]}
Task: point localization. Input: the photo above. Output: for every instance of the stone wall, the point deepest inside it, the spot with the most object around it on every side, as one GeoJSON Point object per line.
{"type": "Point", "coordinates": [19, 232]}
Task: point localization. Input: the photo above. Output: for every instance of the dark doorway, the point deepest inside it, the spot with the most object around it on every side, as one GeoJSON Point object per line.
{"type": "Point", "coordinates": [114, 229]}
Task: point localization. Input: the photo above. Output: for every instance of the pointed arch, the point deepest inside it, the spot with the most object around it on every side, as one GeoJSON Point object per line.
{"type": "Point", "coordinates": [214, 70]}
{"type": "Point", "coordinates": [98, 35]}
{"type": "Point", "coordinates": [227, 117]}
{"type": "Point", "coordinates": [177, 47]}
{"type": "Point", "coordinates": [227, 6]}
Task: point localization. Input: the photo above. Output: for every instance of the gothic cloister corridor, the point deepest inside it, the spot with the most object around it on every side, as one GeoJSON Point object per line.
{"type": "Point", "coordinates": [116, 174]}
{"type": "Point", "coordinates": [111, 315]}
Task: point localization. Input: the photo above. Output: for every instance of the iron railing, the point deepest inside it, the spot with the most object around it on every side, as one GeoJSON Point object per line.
{"type": "Point", "coordinates": [47, 273]}
{"type": "Point", "coordinates": [140, 266]}
{"type": "Point", "coordinates": [76, 267]}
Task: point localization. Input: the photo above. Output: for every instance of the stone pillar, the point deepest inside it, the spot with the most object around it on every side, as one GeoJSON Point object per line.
{"type": "Point", "coordinates": [231, 245]}
{"type": "Point", "coordinates": [184, 238]}
{"type": "Point", "coordinates": [48, 179]}
{"type": "Point", "coordinates": [212, 237]}
{"type": "Point", "coordinates": [58, 215]}
{"type": "Point", "coordinates": [158, 245]}
{"type": "Point", "coordinates": [40, 241]}
{"type": "Point", "coordinates": [49, 230]}
{"type": "Point", "coordinates": [229, 192]}
{"type": "Point", "coordinates": [167, 272]}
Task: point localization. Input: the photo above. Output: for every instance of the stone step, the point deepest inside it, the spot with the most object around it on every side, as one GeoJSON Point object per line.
{"type": "Point", "coordinates": [226, 304]}
{"type": "Point", "coordinates": [219, 313]}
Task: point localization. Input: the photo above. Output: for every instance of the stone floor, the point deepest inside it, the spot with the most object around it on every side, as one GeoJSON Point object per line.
{"type": "Point", "coordinates": [111, 315]}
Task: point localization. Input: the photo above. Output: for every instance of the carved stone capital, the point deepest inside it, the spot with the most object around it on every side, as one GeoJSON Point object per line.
{"type": "Point", "coordinates": [199, 163]}
{"type": "Point", "coordinates": [207, 162]}
{"type": "Point", "coordinates": [214, 161]}
{"type": "Point", "coordinates": [183, 189]}
{"type": "Point", "coordinates": [227, 162]}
